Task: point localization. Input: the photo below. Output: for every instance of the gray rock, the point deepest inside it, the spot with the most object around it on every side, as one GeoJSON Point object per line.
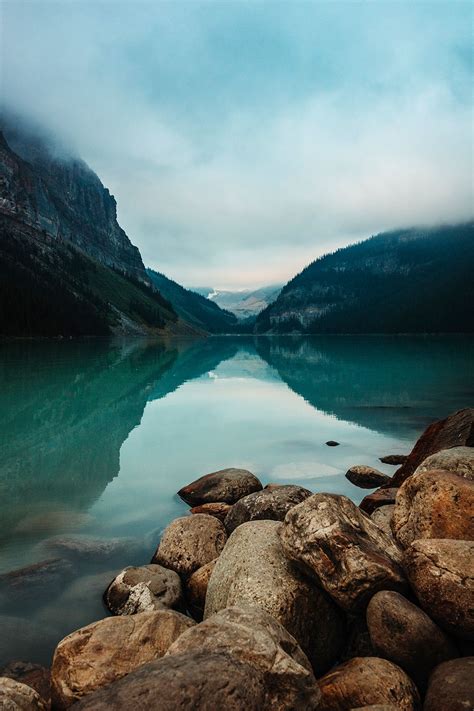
{"type": "Point", "coordinates": [451, 686]}
{"type": "Point", "coordinates": [253, 570]}
{"type": "Point", "coordinates": [226, 485]}
{"type": "Point", "coordinates": [272, 504]}
{"type": "Point", "coordinates": [458, 460]}
{"type": "Point", "coordinates": [335, 543]}
{"type": "Point", "coordinates": [382, 518]}
{"type": "Point", "coordinates": [143, 589]}
{"type": "Point", "coordinates": [15, 696]}
{"type": "Point", "coordinates": [366, 477]}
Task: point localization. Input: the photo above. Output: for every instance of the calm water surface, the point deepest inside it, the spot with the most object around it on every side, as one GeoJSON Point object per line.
{"type": "Point", "coordinates": [96, 438]}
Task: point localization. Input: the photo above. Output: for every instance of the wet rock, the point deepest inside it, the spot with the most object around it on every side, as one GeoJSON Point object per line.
{"type": "Point", "coordinates": [335, 543]}
{"type": "Point", "coordinates": [366, 681]}
{"type": "Point", "coordinates": [255, 638]}
{"type": "Point", "coordinates": [404, 634]}
{"type": "Point", "coordinates": [196, 589]}
{"type": "Point", "coordinates": [196, 681]}
{"type": "Point", "coordinates": [15, 696]}
{"type": "Point", "coordinates": [253, 570]}
{"type": "Point", "coordinates": [143, 589]}
{"type": "Point", "coordinates": [441, 573]}
{"type": "Point", "coordinates": [394, 459]}
{"type": "Point", "coordinates": [226, 485]}
{"type": "Point", "coordinates": [382, 518]}
{"type": "Point", "coordinates": [272, 504]}
{"type": "Point", "coordinates": [91, 549]}
{"type": "Point", "coordinates": [366, 477]}
{"type": "Point", "coordinates": [217, 509]}
{"type": "Point", "coordinates": [332, 443]}
{"type": "Point", "coordinates": [381, 497]}
{"type": "Point", "coordinates": [20, 638]}
{"type": "Point", "coordinates": [34, 675]}
{"type": "Point", "coordinates": [106, 650]}
{"type": "Point", "coordinates": [434, 504]}
{"type": "Point", "coordinates": [30, 581]}
{"type": "Point", "coordinates": [457, 430]}
{"type": "Point", "coordinates": [458, 460]}
{"type": "Point", "coordinates": [451, 686]}
{"type": "Point", "coordinates": [190, 542]}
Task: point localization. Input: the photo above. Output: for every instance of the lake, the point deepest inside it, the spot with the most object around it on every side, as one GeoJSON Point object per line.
{"type": "Point", "coordinates": [97, 437]}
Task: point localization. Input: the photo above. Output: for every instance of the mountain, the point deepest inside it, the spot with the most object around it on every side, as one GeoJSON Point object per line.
{"type": "Point", "coordinates": [245, 303]}
{"type": "Point", "coordinates": [193, 307]}
{"type": "Point", "coordinates": [415, 280]}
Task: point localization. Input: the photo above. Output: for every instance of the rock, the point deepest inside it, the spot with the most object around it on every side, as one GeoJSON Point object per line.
{"type": "Point", "coordinates": [108, 649]}
{"type": "Point", "coordinates": [196, 589]}
{"type": "Point", "coordinates": [381, 497]}
{"type": "Point", "coordinates": [190, 542]}
{"type": "Point", "coordinates": [404, 634]}
{"type": "Point", "coordinates": [458, 460]}
{"type": "Point", "coordinates": [270, 504]}
{"type": "Point", "coordinates": [457, 430]}
{"type": "Point", "coordinates": [366, 477]}
{"type": "Point", "coordinates": [377, 707]}
{"type": "Point", "coordinates": [217, 509]}
{"type": "Point", "coordinates": [29, 581]}
{"type": "Point", "coordinates": [20, 638]}
{"type": "Point", "coordinates": [441, 573]}
{"type": "Point", "coordinates": [255, 638]}
{"type": "Point", "coordinates": [394, 459]}
{"type": "Point", "coordinates": [366, 681]}
{"type": "Point", "coordinates": [253, 570]}
{"type": "Point", "coordinates": [358, 643]}
{"type": "Point", "coordinates": [226, 485]}
{"type": "Point", "coordinates": [434, 504]}
{"type": "Point", "coordinates": [382, 518]}
{"type": "Point", "coordinates": [197, 681]}
{"type": "Point", "coordinates": [143, 589]}
{"type": "Point", "coordinates": [332, 443]}
{"type": "Point", "coordinates": [335, 543]}
{"type": "Point", "coordinates": [15, 696]}
{"type": "Point", "coordinates": [91, 549]}
{"type": "Point", "coordinates": [34, 675]}
{"type": "Point", "coordinates": [451, 686]}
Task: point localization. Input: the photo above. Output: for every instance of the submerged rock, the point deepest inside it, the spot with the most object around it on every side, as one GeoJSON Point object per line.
{"type": "Point", "coordinates": [34, 675]}
{"type": "Point", "coordinates": [272, 504]}
{"type": "Point", "coordinates": [226, 485]}
{"type": "Point", "coordinates": [143, 589]}
{"type": "Point", "coordinates": [451, 686]}
{"type": "Point", "coordinates": [15, 696]}
{"type": "Point", "coordinates": [366, 477]}
{"type": "Point", "coordinates": [196, 589]}
{"type": "Point", "coordinates": [332, 443]}
{"type": "Point", "coordinates": [217, 509]}
{"type": "Point", "coordinates": [30, 581]}
{"type": "Point", "coordinates": [20, 637]}
{"type": "Point", "coordinates": [458, 460]}
{"type": "Point", "coordinates": [91, 549]}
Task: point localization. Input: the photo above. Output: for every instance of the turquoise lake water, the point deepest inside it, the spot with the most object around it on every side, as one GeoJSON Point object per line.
{"type": "Point", "coordinates": [96, 438]}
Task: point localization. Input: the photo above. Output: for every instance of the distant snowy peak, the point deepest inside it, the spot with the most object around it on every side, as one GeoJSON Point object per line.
{"type": "Point", "coordinates": [244, 303]}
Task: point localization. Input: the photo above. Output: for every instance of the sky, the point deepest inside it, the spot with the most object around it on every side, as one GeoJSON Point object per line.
{"type": "Point", "coordinates": [244, 139]}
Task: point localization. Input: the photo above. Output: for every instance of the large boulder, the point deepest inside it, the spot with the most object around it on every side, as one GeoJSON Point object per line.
{"type": "Point", "coordinates": [143, 589]}
{"type": "Point", "coordinates": [451, 686]}
{"type": "Point", "coordinates": [335, 543]}
{"type": "Point", "coordinates": [15, 696]}
{"type": "Point", "coordinates": [458, 460]}
{"type": "Point", "coordinates": [381, 497]}
{"type": "Point", "coordinates": [272, 504]}
{"type": "Point", "coordinates": [196, 681]}
{"type": "Point", "coordinates": [253, 570]}
{"type": "Point", "coordinates": [34, 675]}
{"type": "Point", "coordinates": [226, 485]}
{"type": "Point", "coordinates": [441, 573]}
{"type": "Point", "coordinates": [457, 430]}
{"type": "Point", "coordinates": [366, 681]}
{"type": "Point", "coordinates": [189, 543]}
{"type": "Point", "coordinates": [404, 634]}
{"type": "Point", "coordinates": [254, 637]}
{"type": "Point", "coordinates": [217, 509]}
{"type": "Point", "coordinates": [108, 649]}
{"type": "Point", "coordinates": [196, 589]}
{"type": "Point", "coordinates": [366, 477]}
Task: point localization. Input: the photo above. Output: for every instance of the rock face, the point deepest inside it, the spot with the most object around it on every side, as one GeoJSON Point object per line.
{"type": "Point", "coordinates": [381, 497]}
{"type": "Point", "coordinates": [457, 430]}
{"type": "Point", "coordinates": [441, 573]}
{"type": "Point", "coordinates": [217, 509]}
{"type": "Point", "coordinates": [382, 518]}
{"type": "Point", "coordinates": [350, 557]}
{"type": "Point", "coordinates": [434, 504]}
{"type": "Point", "coordinates": [106, 650]}
{"type": "Point", "coordinates": [255, 638]}
{"type": "Point", "coordinates": [272, 504]}
{"type": "Point", "coordinates": [451, 686]}
{"type": "Point", "coordinates": [366, 681]}
{"type": "Point", "coordinates": [226, 485]}
{"type": "Point", "coordinates": [366, 477]}
{"type": "Point", "coordinates": [196, 589]}
{"type": "Point", "coordinates": [190, 542]}
{"type": "Point", "coordinates": [34, 675]}
{"type": "Point", "coordinates": [15, 696]}
{"type": "Point", "coordinates": [404, 634]}
{"type": "Point", "coordinates": [253, 570]}
{"type": "Point", "coordinates": [197, 681]}
{"type": "Point", "coordinates": [394, 459]}
{"type": "Point", "coordinates": [144, 589]}
{"type": "Point", "coordinates": [458, 460]}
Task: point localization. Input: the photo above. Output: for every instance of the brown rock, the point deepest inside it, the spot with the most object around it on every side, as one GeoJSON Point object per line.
{"type": "Point", "coordinates": [382, 518]}
{"type": "Point", "coordinates": [254, 637]}
{"type": "Point", "coordinates": [253, 570]}
{"type": "Point", "coordinates": [106, 650]}
{"type": "Point", "coordinates": [217, 509]}
{"type": "Point", "coordinates": [196, 589]}
{"type": "Point", "coordinates": [404, 634]}
{"type": "Point", "coordinates": [377, 707]}
{"type": "Point", "coordinates": [271, 504]}
{"type": "Point", "coordinates": [394, 459]}
{"type": "Point", "coordinates": [434, 504]}
{"type": "Point", "coordinates": [190, 542]}
{"type": "Point", "coordinates": [15, 696]}
{"type": "Point", "coordinates": [358, 642]}
{"type": "Point", "coordinates": [457, 430]}
{"type": "Point", "coordinates": [34, 675]}
{"type": "Point", "coordinates": [441, 573]}
{"type": "Point", "coordinates": [451, 686]}
{"type": "Point", "coordinates": [226, 485]}
{"type": "Point", "coordinates": [381, 497]}
{"type": "Point", "coordinates": [366, 477]}
{"type": "Point", "coordinates": [335, 543]}
{"type": "Point", "coordinates": [366, 681]}
{"type": "Point", "coordinates": [143, 589]}
{"type": "Point", "coordinates": [458, 460]}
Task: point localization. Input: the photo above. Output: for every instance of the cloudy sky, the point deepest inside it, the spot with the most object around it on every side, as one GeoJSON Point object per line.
{"type": "Point", "coordinates": [243, 139]}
